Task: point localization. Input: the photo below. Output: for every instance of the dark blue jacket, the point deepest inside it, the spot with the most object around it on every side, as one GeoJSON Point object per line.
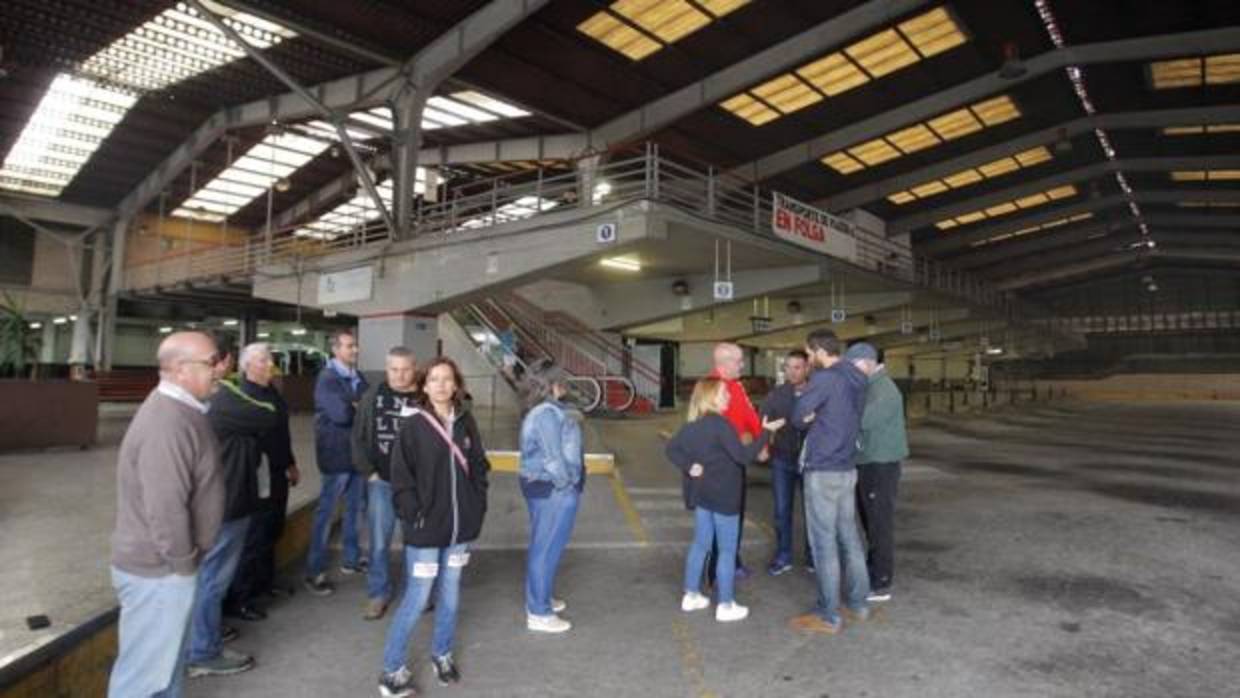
{"type": "Point", "coordinates": [836, 398]}
{"type": "Point", "coordinates": [335, 403]}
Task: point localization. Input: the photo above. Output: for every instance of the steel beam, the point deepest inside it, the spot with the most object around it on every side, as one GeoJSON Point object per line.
{"type": "Point", "coordinates": [956, 239]}
{"type": "Point", "coordinates": [54, 211]}
{"type": "Point", "coordinates": [1109, 122]}
{"type": "Point", "coordinates": [407, 120]}
{"type": "Point", "coordinates": [1080, 174]}
{"type": "Point", "coordinates": [1224, 40]}
{"type": "Point", "coordinates": [1119, 259]}
{"type": "Point", "coordinates": [1055, 237]}
{"type": "Point", "coordinates": [365, 90]}
{"type": "Point", "coordinates": [1170, 244]}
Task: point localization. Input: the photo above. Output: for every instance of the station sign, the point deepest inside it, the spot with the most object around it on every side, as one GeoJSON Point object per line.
{"type": "Point", "coordinates": [348, 286]}
{"type": "Point", "coordinates": [606, 233]}
{"type": "Point", "coordinates": [838, 315]}
{"type": "Point", "coordinates": [723, 290]}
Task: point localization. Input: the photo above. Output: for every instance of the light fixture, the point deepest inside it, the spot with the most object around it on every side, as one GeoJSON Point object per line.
{"type": "Point", "coordinates": [72, 318]}
{"type": "Point", "coordinates": [297, 331]}
{"type": "Point", "coordinates": [283, 184]}
{"type": "Point", "coordinates": [231, 322]}
{"type": "Point", "coordinates": [60, 320]}
{"type": "Point", "coordinates": [165, 330]}
{"type": "Point", "coordinates": [36, 325]}
{"type": "Point", "coordinates": [794, 307]}
{"type": "Point", "coordinates": [263, 335]}
{"type": "Point", "coordinates": [680, 287]}
{"type": "Point", "coordinates": [601, 190]}
{"type": "Point", "coordinates": [994, 351]}
{"type": "Point", "coordinates": [1153, 288]}
{"type": "Point", "coordinates": [621, 263]}
{"type": "Point", "coordinates": [1013, 67]}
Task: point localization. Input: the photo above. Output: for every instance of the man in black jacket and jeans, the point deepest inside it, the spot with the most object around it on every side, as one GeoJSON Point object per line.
{"type": "Point", "coordinates": [785, 468]}
{"type": "Point", "coordinates": [256, 575]}
{"type": "Point", "coordinates": [379, 415]}
{"type": "Point", "coordinates": [240, 422]}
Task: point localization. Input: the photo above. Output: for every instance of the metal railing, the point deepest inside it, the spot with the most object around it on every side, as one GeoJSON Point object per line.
{"type": "Point", "coordinates": [714, 196]}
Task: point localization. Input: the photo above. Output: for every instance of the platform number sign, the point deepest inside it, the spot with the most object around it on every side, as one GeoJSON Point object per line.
{"type": "Point", "coordinates": [605, 233]}
{"type": "Point", "coordinates": [723, 290]}
{"type": "Point", "coordinates": [906, 327]}
{"type": "Point", "coordinates": [838, 315]}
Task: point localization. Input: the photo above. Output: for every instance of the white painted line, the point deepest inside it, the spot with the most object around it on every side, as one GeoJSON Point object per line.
{"type": "Point", "coordinates": [655, 491]}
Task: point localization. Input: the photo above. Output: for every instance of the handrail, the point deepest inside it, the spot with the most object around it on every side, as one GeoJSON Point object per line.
{"type": "Point", "coordinates": [627, 384]}
{"type": "Point", "coordinates": [715, 196]}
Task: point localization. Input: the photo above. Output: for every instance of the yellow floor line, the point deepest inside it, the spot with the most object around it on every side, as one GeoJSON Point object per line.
{"type": "Point", "coordinates": [626, 505]}
{"type": "Point", "coordinates": [691, 660]}
{"type": "Point", "coordinates": [510, 462]}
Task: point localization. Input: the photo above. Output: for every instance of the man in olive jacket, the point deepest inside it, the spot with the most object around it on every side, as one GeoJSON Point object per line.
{"type": "Point", "coordinates": [882, 444]}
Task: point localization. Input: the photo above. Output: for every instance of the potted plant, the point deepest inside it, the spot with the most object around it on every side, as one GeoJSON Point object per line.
{"type": "Point", "coordinates": [18, 344]}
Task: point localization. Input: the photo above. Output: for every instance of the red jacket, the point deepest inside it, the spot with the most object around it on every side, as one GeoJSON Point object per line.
{"type": "Point", "coordinates": [740, 413]}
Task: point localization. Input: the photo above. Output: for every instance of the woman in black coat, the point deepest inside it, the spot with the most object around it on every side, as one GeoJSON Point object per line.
{"type": "Point", "coordinates": [439, 484]}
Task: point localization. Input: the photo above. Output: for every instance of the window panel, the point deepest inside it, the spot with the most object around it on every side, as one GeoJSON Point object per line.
{"type": "Point", "coordinates": [787, 94]}
{"type": "Point", "coordinates": [833, 74]}
{"type": "Point", "coordinates": [953, 125]}
{"type": "Point", "coordinates": [933, 32]}
{"type": "Point", "coordinates": [913, 138]}
{"type": "Point", "coordinates": [1223, 69]}
{"type": "Point", "coordinates": [929, 189]}
{"type": "Point", "coordinates": [842, 163]}
{"type": "Point", "coordinates": [882, 53]}
{"type": "Point", "coordinates": [874, 152]}
{"type": "Point", "coordinates": [963, 179]}
{"type": "Point", "coordinates": [996, 110]}
{"type": "Point", "coordinates": [999, 167]}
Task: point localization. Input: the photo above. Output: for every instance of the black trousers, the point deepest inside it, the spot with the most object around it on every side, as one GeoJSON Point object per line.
{"type": "Point", "coordinates": [877, 484]}
{"type": "Point", "coordinates": [256, 572]}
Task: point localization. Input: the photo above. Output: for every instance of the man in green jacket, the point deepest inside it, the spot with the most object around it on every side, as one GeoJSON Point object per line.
{"type": "Point", "coordinates": [882, 444]}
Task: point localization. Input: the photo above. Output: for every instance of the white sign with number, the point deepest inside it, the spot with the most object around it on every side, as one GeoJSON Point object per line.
{"type": "Point", "coordinates": [346, 286]}
{"type": "Point", "coordinates": [723, 290]}
{"type": "Point", "coordinates": [606, 233]}
{"type": "Point", "coordinates": [838, 315]}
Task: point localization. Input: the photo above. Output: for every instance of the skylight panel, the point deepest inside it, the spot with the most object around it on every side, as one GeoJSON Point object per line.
{"type": "Point", "coordinates": [1004, 208]}
{"type": "Point", "coordinates": [522, 208]}
{"type": "Point", "coordinates": [251, 175]}
{"type": "Point", "coordinates": [931, 133]}
{"type": "Point", "coordinates": [1198, 130]}
{"type": "Point", "coordinates": [72, 120]}
{"type": "Point", "coordinates": [1219, 69]}
{"type": "Point", "coordinates": [78, 112]}
{"type": "Point", "coordinates": [461, 110]}
{"type": "Point", "coordinates": [1204, 175]}
{"type": "Point", "coordinates": [997, 168]}
{"type": "Point", "coordinates": [842, 163]}
{"type": "Point", "coordinates": [870, 58]}
{"type": "Point", "coordinates": [638, 28]}
{"type": "Point", "coordinates": [750, 109]}
{"type": "Point", "coordinates": [1024, 231]}
{"type": "Point", "coordinates": [490, 104]}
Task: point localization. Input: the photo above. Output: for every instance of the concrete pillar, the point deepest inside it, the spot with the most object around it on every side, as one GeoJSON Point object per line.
{"type": "Point", "coordinates": [379, 333]}
{"type": "Point", "coordinates": [406, 140]}
{"type": "Point", "coordinates": [587, 177]}
{"type": "Point", "coordinates": [47, 350]}
{"type": "Point", "coordinates": [248, 330]}
{"type": "Point", "coordinates": [107, 310]}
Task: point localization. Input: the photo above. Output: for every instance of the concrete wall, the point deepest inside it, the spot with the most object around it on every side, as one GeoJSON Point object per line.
{"type": "Point", "coordinates": [485, 385]}
{"type": "Point", "coordinates": [1153, 387]}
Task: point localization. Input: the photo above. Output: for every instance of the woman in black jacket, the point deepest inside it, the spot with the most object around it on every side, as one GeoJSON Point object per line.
{"type": "Point", "coordinates": [439, 484]}
{"type": "Point", "coordinates": [712, 458]}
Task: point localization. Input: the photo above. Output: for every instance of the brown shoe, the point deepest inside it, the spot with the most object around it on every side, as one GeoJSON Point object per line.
{"type": "Point", "coordinates": [813, 623]}
{"type": "Point", "coordinates": [375, 608]}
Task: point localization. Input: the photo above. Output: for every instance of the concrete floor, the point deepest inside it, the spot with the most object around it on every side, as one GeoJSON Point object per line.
{"type": "Point", "coordinates": [1069, 550]}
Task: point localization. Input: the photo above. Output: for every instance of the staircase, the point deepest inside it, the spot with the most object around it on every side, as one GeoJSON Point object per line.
{"type": "Point", "coordinates": [513, 333]}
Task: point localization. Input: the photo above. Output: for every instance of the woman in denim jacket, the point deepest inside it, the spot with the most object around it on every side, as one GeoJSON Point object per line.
{"type": "Point", "coordinates": [552, 477]}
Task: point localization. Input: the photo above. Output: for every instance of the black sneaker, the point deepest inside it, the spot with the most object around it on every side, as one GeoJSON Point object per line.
{"type": "Point", "coordinates": [445, 670]}
{"type": "Point", "coordinates": [358, 567]}
{"type": "Point", "coordinates": [318, 585]}
{"type": "Point", "coordinates": [397, 684]}
{"type": "Point", "coordinates": [229, 633]}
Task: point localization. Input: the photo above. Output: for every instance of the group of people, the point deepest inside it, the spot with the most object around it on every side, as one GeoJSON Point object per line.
{"type": "Point", "coordinates": [205, 468]}
{"type": "Point", "coordinates": [203, 477]}
{"type": "Point", "coordinates": [835, 429]}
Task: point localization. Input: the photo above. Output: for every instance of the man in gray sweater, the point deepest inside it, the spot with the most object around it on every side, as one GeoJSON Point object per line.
{"type": "Point", "coordinates": [170, 501]}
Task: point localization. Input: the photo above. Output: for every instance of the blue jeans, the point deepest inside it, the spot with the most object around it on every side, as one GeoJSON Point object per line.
{"type": "Point", "coordinates": [708, 525]}
{"type": "Point", "coordinates": [785, 480]}
{"type": "Point", "coordinates": [216, 573]}
{"type": "Point", "coordinates": [381, 514]}
{"type": "Point", "coordinates": [551, 525]}
{"type": "Point", "coordinates": [423, 566]}
{"type": "Point", "coordinates": [831, 512]}
{"type": "Point", "coordinates": [154, 627]}
{"type": "Point", "coordinates": [336, 485]}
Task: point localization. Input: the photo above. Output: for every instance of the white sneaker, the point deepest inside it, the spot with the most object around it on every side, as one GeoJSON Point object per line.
{"type": "Point", "coordinates": [728, 612]}
{"type": "Point", "coordinates": [693, 601]}
{"type": "Point", "coordinates": [558, 605]}
{"type": "Point", "coordinates": [546, 624]}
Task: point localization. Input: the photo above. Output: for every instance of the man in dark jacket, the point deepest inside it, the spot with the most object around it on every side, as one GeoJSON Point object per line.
{"type": "Point", "coordinates": [239, 422]}
{"type": "Point", "coordinates": [379, 417]}
{"type": "Point", "coordinates": [336, 393]}
{"type": "Point", "coordinates": [830, 411]}
{"type": "Point", "coordinates": [255, 576]}
{"type": "Point", "coordinates": [785, 451]}
{"type": "Point", "coordinates": [883, 443]}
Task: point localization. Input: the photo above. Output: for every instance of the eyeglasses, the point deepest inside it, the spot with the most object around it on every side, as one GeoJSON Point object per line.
{"type": "Point", "coordinates": [209, 362]}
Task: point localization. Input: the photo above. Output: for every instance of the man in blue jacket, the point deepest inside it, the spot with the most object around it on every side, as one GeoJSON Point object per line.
{"type": "Point", "coordinates": [829, 410]}
{"type": "Point", "coordinates": [336, 393]}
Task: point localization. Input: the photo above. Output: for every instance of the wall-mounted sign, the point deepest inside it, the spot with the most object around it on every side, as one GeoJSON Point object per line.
{"type": "Point", "coordinates": [606, 233]}
{"type": "Point", "coordinates": [760, 324]}
{"type": "Point", "coordinates": [906, 327]}
{"type": "Point", "coordinates": [346, 286]}
{"type": "Point", "coordinates": [723, 290]}
{"type": "Point", "coordinates": [838, 315]}
{"type": "Point", "coordinates": [812, 228]}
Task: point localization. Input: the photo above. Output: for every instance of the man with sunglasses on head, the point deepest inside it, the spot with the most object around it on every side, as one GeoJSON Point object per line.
{"type": "Point", "coordinates": [170, 502]}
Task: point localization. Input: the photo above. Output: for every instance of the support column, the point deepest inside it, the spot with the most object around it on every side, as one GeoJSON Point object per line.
{"type": "Point", "coordinates": [248, 330]}
{"type": "Point", "coordinates": [406, 141]}
{"type": "Point", "coordinates": [587, 176]}
{"type": "Point", "coordinates": [108, 304]}
{"type": "Point", "coordinates": [379, 333]}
